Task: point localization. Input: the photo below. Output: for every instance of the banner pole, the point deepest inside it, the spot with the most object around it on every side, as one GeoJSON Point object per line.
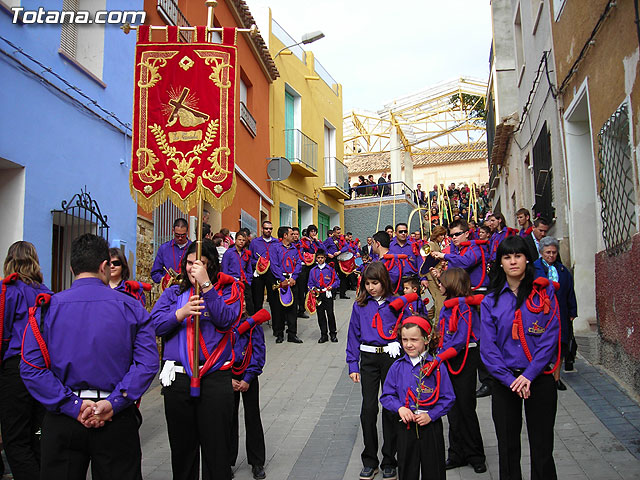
{"type": "Point", "coordinates": [195, 370]}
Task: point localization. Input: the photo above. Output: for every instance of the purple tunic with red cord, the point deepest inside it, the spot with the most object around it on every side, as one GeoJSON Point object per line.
{"type": "Point", "coordinates": [97, 338]}
{"type": "Point", "coordinates": [416, 307]}
{"type": "Point", "coordinates": [311, 245]}
{"type": "Point", "coordinates": [324, 277]}
{"type": "Point", "coordinates": [455, 336]}
{"type": "Point", "coordinates": [398, 266]}
{"type": "Point", "coordinates": [469, 257]}
{"type": "Point", "coordinates": [122, 287]}
{"type": "Point", "coordinates": [19, 296]}
{"type": "Point", "coordinates": [261, 248]}
{"type": "Point", "coordinates": [497, 238]}
{"type": "Point", "coordinates": [332, 249]}
{"type": "Point", "coordinates": [403, 375]}
{"type": "Point", "coordinates": [407, 249]}
{"type": "Point", "coordinates": [526, 231]}
{"type": "Point", "coordinates": [216, 319]}
{"type": "Point", "coordinates": [237, 265]}
{"type": "Point", "coordinates": [169, 256]}
{"type": "Point", "coordinates": [362, 330]}
{"type": "Point", "coordinates": [250, 354]}
{"type": "Point", "coordinates": [285, 262]}
{"type": "Point", "coordinates": [501, 353]}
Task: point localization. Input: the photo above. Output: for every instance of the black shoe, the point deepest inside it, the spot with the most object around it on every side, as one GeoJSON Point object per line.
{"type": "Point", "coordinates": [303, 315]}
{"type": "Point", "coordinates": [344, 297]}
{"type": "Point", "coordinates": [293, 339]}
{"type": "Point", "coordinates": [480, 467]}
{"type": "Point", "coordinates": [323, 339]}
{"type": "Point", "coordinates": [561, 386]}
{"type": "Point", "coordinates": [483, 391]}
{"type": "Point", "coordinates": [389, 473]}
{"type": "Point", "coordinates": [452, 464]}
{"type": "Point", "coordinates": [367, 473]}
{"type": "Point", "coordinates": [568, 367]}
{"type": "Point", "coordinates": [334, 338]}
{"type": "Point", "coordinates": [258, 472]}
{"type": "Point", "coordinates": [279, 339]}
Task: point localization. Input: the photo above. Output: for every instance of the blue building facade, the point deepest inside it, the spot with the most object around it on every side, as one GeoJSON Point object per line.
{"type": "Point", "coordinates": [65, 128]}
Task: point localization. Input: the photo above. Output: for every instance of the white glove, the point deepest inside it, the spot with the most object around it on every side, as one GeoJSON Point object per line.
{"type": "Point", "coordinates": [168, 373]}
{"type": "Point", "coordinates": [255, 273]}
{"type": "Point", "coordinates": [393, 349]}
{"type": "Point", "coordinates": [328, 292]}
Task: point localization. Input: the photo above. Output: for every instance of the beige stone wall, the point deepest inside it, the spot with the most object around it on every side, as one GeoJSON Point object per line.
{"type": "Point", "coordinates": [144, 256]}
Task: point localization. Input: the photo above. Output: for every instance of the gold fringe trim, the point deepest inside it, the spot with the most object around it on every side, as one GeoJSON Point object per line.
{"type": "Point", "coordinates": [185, 205]}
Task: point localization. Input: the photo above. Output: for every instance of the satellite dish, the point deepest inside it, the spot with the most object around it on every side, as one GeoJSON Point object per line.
{"type": "Point", "coordinates": [279, 168]}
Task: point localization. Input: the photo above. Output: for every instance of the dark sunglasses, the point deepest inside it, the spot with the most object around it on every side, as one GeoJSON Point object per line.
{"type": "Point", "coordinates": [116, 263]}
{"type": "Point", "coordinates": [457, 234]}
{"type": "Point", "coordinates": [180, 235]}
{"type": "Point", "coordinates": [403, 231]}
{"type": "Point", "coordinates": [267, 228]}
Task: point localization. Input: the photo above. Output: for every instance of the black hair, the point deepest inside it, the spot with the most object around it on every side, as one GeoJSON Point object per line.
{"type": "Point", "coordinates": [206, 229]}
{"type": "Point", "coordinates": [541, 220]}
{"type": "Point", "coordinates": [241, 233]}
{"type": "Point", "coordinates": [295, 229]}
{"type": "Point", "coordinates": [412, 280]}
{"type": "Point", "coordinates": [312, 228]}
{"type": "Point", "coordinates": [382, 238]}
{"type": "Point", "coordinates": [282, 231]}
{"type": "Point", "coordinates": [245, 231]}
{"type": "Point", "coordinates": [209, 251]}
{"type": "Point", "coordinates": [511, 245]}
{"type": "Point", "coordinates": [88, 251]}
{"type": "Point", "coordinates": [349, 233]}
{"type": "Point", "coordinates": [266, 221]}
{"type": "Point", "coordinates": [116, 252]}
{"type": "Point", "coordinates": [388, 227]}
{"type": "Point", "coordinates": [460, 223]}
{"type": "Point", "coordinates": [321, 252]}
{"type": "Point", "coordinates": [180, 222]}
{"type": "Point", "coordinates": [401, 223]}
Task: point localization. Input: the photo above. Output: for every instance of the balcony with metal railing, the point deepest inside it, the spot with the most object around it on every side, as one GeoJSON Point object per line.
{"type": "Point", "coordinates": [172, 15]}
{"type": "Point", "coordinates": [336, 178]}
{"type": "Point", "coordinates": [302, 152]}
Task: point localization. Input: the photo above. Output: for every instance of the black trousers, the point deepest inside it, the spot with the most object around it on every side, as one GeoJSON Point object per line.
{"type": "Point", "coordinates": [465, 439]}
{"type": "Point", "coordinates": [20, 418]}
{"type": "Point", "coordinates": [540, 410]}
{"type": "Point", "coordinates": [248, 299]}
{"type": "Point", "coordinates": [326, 315]}
{"type": "Point", "coordinates": [252, 425]}
{"type": "Point", "coordinates": [301, 287]}
{"type": "Point", "coordinates": [421, 449]}
{"type": "Point", "coordinates": [286, 315]}
{"type": "Point", "coordinates": [258, 284]}
{"type": "Point", "coordinates": [373, 371]}
{"type": "Point", "coordinates": [201, 423]}
{"type": "Point", "coordinates": [343, 278]}
{"type": "Point", "coordinates": [114, 450]}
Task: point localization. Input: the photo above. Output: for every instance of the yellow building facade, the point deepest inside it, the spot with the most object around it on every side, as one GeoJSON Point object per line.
{"type": "Point", "coordinates": [306, 129]}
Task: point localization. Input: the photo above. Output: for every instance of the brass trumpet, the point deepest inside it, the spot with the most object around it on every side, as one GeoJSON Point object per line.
{"type": "Point", "coordinates": [425, 249]}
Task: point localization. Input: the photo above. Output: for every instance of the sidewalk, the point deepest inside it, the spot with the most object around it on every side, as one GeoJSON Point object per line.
{"type": "Point", "coordinates": [310, 413]}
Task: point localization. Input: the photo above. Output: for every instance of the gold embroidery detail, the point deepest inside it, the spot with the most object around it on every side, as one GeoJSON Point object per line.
{"type": "Point", "coordinates": [186, 63]}
{"type": "Point", "coordinates": [153, 65]}
{"type": "Point", "coordinates": [536, 329]}
{"type": "Point", "coordinates": [148, 160]}
{"type": "Point", "coordinates": [217, 70]}
{"type": "Point", "coordinates": [218, 170]}
{"type": "Point", "coordinates": [182, 107]}
{"type": "Point", "coordinates": [182, 136]}
{"type": "Point", "coordinates": [217, 189]}
{"type": "Point", "coordinates": [147, 189]}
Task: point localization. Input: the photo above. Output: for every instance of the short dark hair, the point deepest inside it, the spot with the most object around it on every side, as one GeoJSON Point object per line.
{"type": "Point", "coordinates": [485, 228]}
{"type": "Point", "coordinates": [321, 252]}
{"type": "Point", "coordinates": [266, 221]}
{"type": "Point", "coordinates": [412, 280]}
{"type": "Point", "coordinates": [88, 251]}
{"type": "Point", "coordinates": [541, 220]}
{"type": "Point", "coordinates": [388, 227]}
{"type": "Point", "coordinates": [116, 252]}
{"type": "Point", "coordinates": [295, 229]}
{"type": "Point", "coordinates": [399, 224]}
{"type": "Point", "coordinates": [459, 223]}
{"type": "Point", "coordinates": [282, 231]}
{"type": "Point", "coordinates": [245, 231]}
{"type": "Point", "coordinates": [349, 233]}
{"type": "Point", "coordinates": [523, 211]}
{"type": "Point", "coordinates": [312, 228]}
{"type": "Point", "coordinates": [241, 233]}
{"type": "Point", "coordinates": [382, 238]}
{"type": "Point", "coordinates": [206, 229]}
{"type": "Point", "coordinates": [337, 227]}
{"type": "Point", "coordinates": [180, 222]}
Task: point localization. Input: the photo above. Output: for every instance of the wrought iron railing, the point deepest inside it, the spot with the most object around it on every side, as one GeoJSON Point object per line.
{"type": "Point", "coordinates": [169, 9]}
{"type": "Point", "coordinates": [616, 182]}
{"type": "Point", "coordinates": [383, 190]}
{"type": "Point", "coordinates": [247, 119]}
{"type": "Point", "coordinates": [336, 174]}
{"type": "Point", "coordinates": [301, 149]}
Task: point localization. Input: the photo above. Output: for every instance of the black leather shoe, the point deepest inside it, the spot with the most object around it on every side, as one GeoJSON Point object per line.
{"type": "Point", "coordinates": [293, 339]}
{"type": "Point", "coordinates": [334, 338]}
{"type": "Point", "coordinates": [323, 339]}
{"type": "Point", "coordinates": [279, 339]}
{"type": "Point", "coordinates": [451, 464]}
{"type": "Point", "coordinates": [480, 467]}
{"type": "Point", "coordinates": [303, 315]}
{"type": "Point", "coordinates": [258, 472]}
{"type": "Point", "coordinates": [483, 391]}
{"type": "Point", "coordinates": [561, 386]}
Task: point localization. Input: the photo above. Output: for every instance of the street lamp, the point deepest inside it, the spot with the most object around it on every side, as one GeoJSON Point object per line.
{"type": "Point", "coordinates": [306, 39]}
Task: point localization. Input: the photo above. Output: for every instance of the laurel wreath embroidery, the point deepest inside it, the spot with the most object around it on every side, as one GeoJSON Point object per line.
{"type": "Point", "coordinates": [184, 174]}
{"type": "Point", "coordinates": [153, 65]}
{"type": "Point", "coordinates": [217, 69]}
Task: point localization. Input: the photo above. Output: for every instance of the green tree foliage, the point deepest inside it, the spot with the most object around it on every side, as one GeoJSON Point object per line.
{"type": "Point", "coordinates": [474, 105]}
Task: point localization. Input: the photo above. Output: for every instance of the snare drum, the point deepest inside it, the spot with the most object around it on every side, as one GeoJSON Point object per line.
{"type": "Point", "coordinates": [344, 256]}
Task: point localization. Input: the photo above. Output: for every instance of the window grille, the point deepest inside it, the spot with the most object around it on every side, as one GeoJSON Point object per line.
{"type": "Point", "coordinates": [543, 176]}
{"type": "Point", "coordinates": [616, 182]}
{"type": "Point", "coordinates": [78, 216]}
{"type": "Point", "coordinates": [163, 218]}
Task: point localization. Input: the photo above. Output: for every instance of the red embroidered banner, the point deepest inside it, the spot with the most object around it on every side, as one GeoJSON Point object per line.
{"type": "Point", "coordinates": [184, 120]}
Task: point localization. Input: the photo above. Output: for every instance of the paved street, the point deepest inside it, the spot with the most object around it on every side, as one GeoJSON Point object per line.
{"type": "Point", "coordinates": [310, 412]}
